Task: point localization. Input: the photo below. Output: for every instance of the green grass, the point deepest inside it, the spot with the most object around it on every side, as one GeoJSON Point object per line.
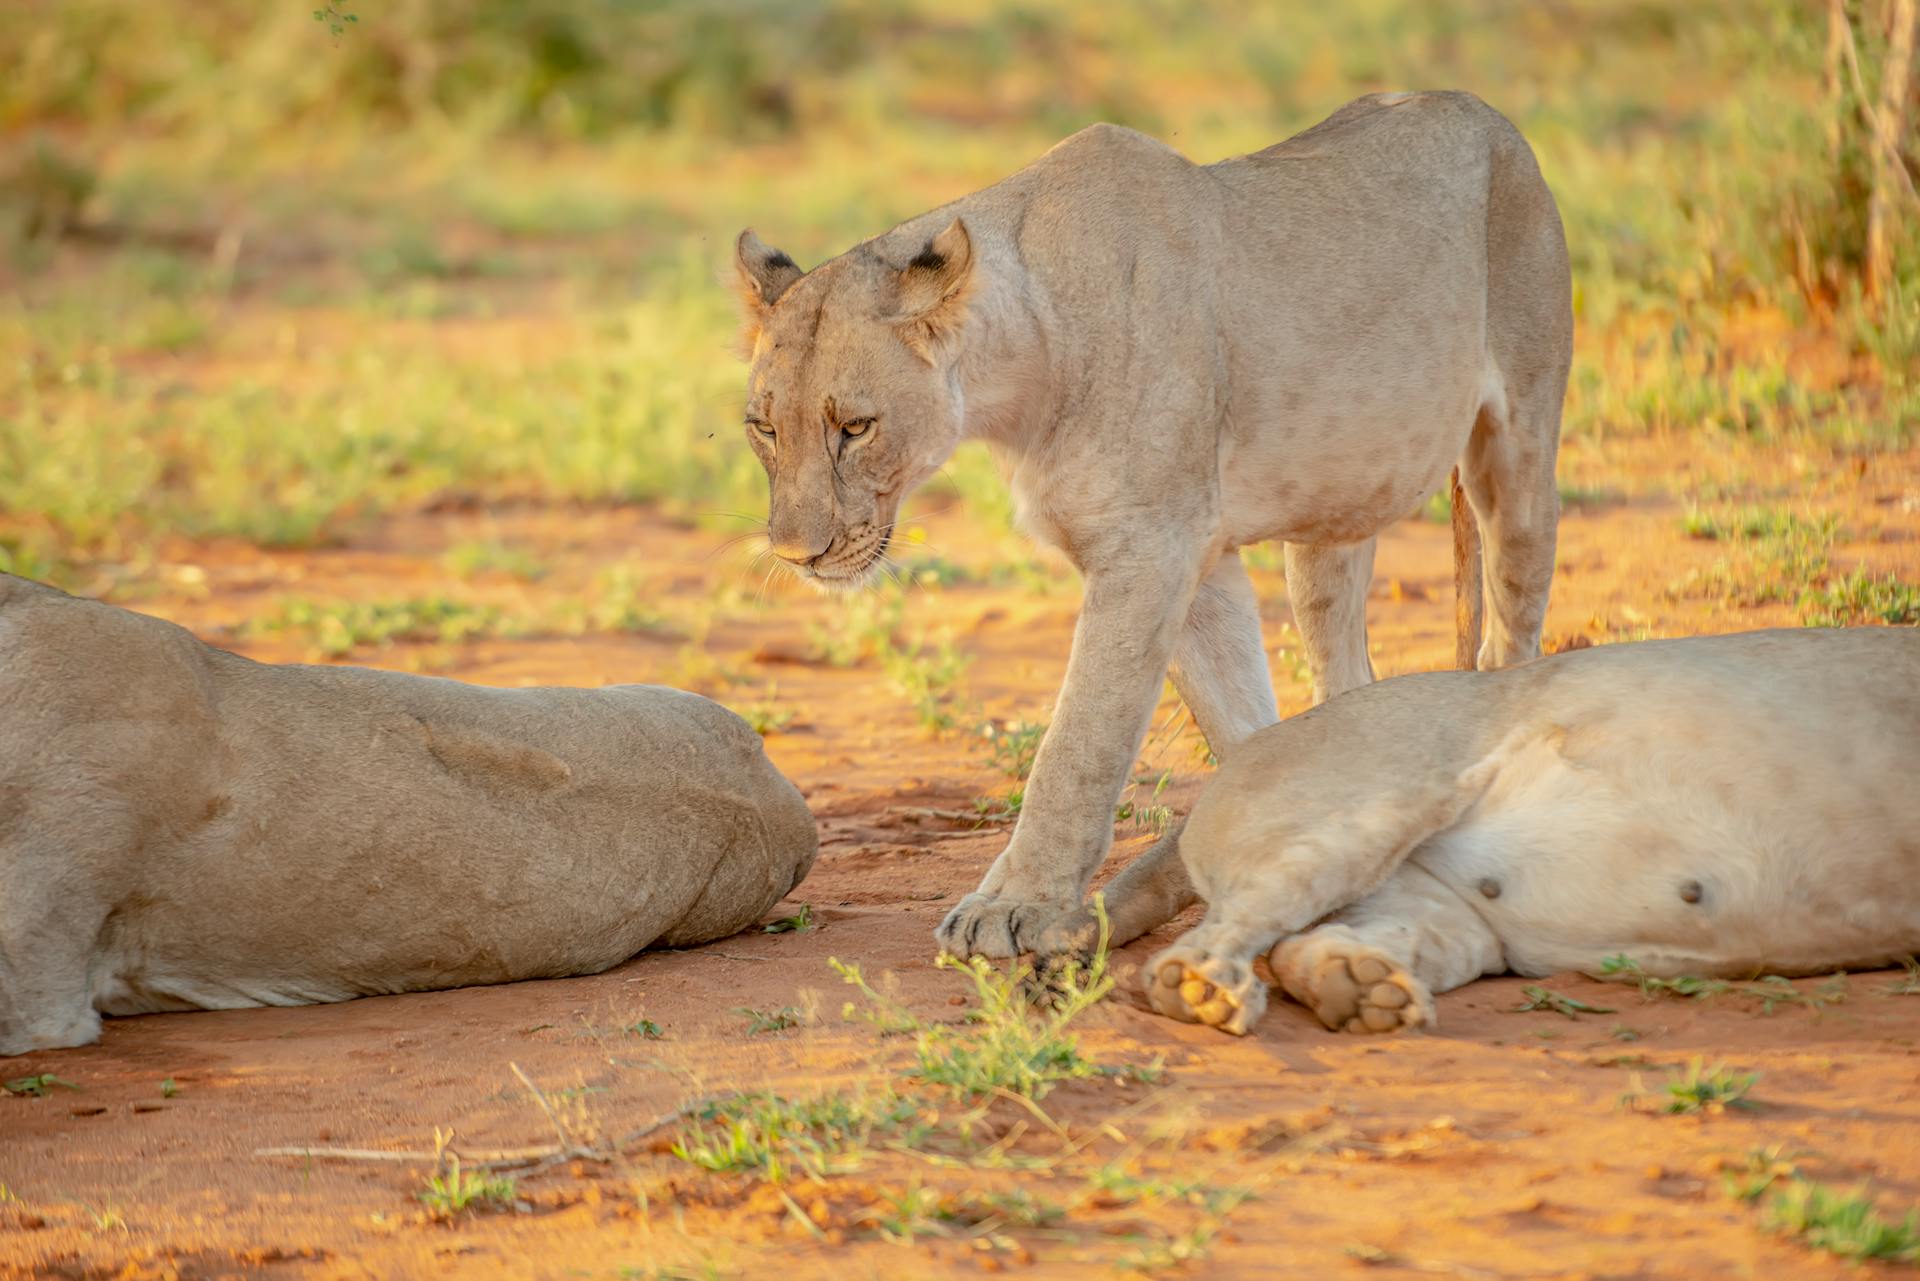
{"type": "Point", "coordinates": [1540, 998]}
{"type": "Point", "coordinates": [477, 558]}
{"type": "Point", "coordinates": [37, 1086]}
{"type": "Point", "coordinates": [778, 1138]}
{"type": "Point", "coordinates": [336, 629]}
{"type": "Point", "coordinates": [453, 1190]}
{"type": "Point", "coordinates": [760, 1022]}
{"type": "Point", "coordinates": [476, 243]}
{"type": "Point", "coordinates": [1703, 1089]}
{"type": "Point", "coordinates": [1847, 1224]}
{"type": "Point", "coordinates": [799, 923]}
{"type": "Point", "coordinates": [1770, 990]}
{"type": "Point", "coordinates": [1761, 523]}
{"type": "Point", "coordinates": [1861, 598]}
{"type": "Point", "coordinates": [1005, 1046]}
{"type": "Point", "coordinates": [1013, 745]}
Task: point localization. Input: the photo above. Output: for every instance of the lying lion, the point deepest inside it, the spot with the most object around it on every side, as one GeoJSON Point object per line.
{"type": "Point", "coordinates": [1728, 806]}
{"type": "Point", "coordinates": [182, 828]}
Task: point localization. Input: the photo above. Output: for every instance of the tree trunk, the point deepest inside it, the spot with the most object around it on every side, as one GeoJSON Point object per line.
{"type": "Point", "coordinates": [1889, 125]}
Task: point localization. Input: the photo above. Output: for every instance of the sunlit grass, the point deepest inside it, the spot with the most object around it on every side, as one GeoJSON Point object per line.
{"type": "Point", "coordinates": [328, 293]}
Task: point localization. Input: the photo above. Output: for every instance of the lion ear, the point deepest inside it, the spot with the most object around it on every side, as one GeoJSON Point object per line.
{"type": "Point", "coordinates": [761, 275]}
{"type": "Point", "coordinates": [933, 290]}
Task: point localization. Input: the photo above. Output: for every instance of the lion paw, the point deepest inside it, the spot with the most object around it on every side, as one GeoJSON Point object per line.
{"type": "Point", "coordinates": [981, 925]}
{"type": "Point", "coordinates": [1194, 987]}
{"type": "Point", "coordinates": [1364, 991]}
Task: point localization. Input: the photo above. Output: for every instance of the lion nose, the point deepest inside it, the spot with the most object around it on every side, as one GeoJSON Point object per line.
{"type": "Point", "coordinates": [796, 552]}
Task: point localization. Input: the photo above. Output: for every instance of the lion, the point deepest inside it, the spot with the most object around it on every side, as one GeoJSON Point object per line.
{"type": "Point", "coordinates": [1175, 361]}
{"type": "Point", "coordinates": [182, 828]}
{"type": "Point", "coordinates": [1728, 806]}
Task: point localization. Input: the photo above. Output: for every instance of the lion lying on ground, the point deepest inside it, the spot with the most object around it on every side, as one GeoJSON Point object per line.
{"type": "Point", "coordinates": [1721, 807]}
{"type": "Point", "coordinates": [182, 828]}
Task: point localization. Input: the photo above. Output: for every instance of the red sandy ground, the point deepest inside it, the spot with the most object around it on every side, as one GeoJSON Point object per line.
{"type": "Point", "coordinates": [1494, 1146]}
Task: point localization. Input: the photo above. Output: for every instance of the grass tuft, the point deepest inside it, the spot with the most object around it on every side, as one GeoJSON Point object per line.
{"type": "Point", "coordinates": [1847, 1224]}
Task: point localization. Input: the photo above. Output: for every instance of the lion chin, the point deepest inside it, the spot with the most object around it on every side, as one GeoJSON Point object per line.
{"type": "Point", "coordinates": [835, 578]}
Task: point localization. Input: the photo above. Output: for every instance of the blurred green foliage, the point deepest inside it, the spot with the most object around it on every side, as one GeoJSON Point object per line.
{"type": "Point", "coordinates": [277, 275]}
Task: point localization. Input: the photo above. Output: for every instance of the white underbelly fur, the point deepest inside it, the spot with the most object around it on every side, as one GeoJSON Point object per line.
{"type": "Point", "coordinates": [1682, 867]}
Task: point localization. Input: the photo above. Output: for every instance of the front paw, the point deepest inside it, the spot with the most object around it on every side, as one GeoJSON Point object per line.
{"type": "Point", "coordinates": [983, 925]}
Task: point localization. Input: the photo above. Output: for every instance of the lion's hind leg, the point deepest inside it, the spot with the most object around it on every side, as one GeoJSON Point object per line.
{"type": "Point", "coordinates": [1376, 966]}
{"type": "Point", "coordinates": [1207, 976]}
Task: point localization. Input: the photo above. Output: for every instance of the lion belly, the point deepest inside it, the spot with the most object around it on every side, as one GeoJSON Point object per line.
{"type": "Point", "coordinates": [1712, 812]}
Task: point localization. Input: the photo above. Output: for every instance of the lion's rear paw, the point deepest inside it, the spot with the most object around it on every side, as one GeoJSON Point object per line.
{"type": "Point", "coordinates": [1364, 991]}
{"type": "Point", "coordinates": [1186, 984]}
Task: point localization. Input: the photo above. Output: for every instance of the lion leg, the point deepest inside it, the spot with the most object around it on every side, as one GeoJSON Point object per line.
{"type": "Point", "coordinates": [1328, 589]}
{"type": "Point", "coordinates": [1207, 975]}
{"type": "Point", "coordinates": [1507, 470]}
{"type": "Point", "coordinates": [1507, 475]}
{"type": "Point", "coordinates": [1220, 669]}
{"type": "Point", "coordinates": [1219, 663]}
{"type": "Point", "coordinates": [1128, 628]}
{"type": "Point", "coordinates": [49, 923]}
{"type": "Point", "coordinates": [1376, 966]}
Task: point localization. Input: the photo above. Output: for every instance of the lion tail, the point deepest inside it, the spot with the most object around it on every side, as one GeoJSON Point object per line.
{"type": "Point", "coordinates": [1466, 580]}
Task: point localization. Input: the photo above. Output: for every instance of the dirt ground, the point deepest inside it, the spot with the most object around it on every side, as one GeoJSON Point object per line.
{"type": "Point", "coordinates": [1494, 1146]}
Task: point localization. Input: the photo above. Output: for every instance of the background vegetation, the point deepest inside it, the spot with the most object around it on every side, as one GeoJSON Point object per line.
{"type": "Point", "coordinates": [273, 272]}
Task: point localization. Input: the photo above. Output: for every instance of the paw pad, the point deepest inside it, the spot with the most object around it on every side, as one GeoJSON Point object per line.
{"type": "Point", "coordinates": [1368, 993]}
{"type": "Point", "coordinates": [1179, 991]}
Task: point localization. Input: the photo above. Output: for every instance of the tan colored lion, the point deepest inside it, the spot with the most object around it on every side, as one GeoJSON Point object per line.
{"type": "Point", "coordinates": [1728, 806]}
{"type": "Point", "coordinates": [182, 828]}
{"type": "Point", "coordinates": [1174, 361]}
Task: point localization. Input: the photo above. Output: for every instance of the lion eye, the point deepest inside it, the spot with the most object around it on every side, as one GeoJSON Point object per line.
{"type": "Point", "coordinates": [856, 426]}
{"type": "Point", "coordinates": [761, 426]}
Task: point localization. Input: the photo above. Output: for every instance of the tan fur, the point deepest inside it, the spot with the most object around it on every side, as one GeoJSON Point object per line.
{"type": "Point", "coordinates": [1175, 361]}
{"type": "Point", "coordinates": [1732, 806]}
{"type": "Point", "coordinates": [183, 828]}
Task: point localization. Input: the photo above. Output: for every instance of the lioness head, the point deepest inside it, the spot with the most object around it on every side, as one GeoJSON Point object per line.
{"type": "Point", "coordinates": [851, 395]}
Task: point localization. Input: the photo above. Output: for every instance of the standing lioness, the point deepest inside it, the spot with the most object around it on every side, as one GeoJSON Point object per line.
{"type": "Point", "coordinates": [1175, 361]}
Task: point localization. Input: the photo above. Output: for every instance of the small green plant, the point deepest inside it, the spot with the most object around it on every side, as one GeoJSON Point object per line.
{"type": "Point", "coordinates": [1770, 990]}
{"type": "Point", "coordinates": [339, 628]}
{"type": "Point", "coordinates": [1004, 1045]}
{"type": "Point", "coordinates": [766, 717]}
{"type": "Point", "coordinates": [1703, 1089]}
{"type": "Point", "coordinates": [778, 1138]}
{"type": "Point", "coordinates": [1763, 1168]}
{"type": "Point", "coordinates": [1908, 986]}
{"type": "Point", "coordinates": [1540, 998]}
{"type": "Point", "coordinates": [999, 809]}
{"type": "Point", "coordinates": [864, 629]}
{"type": "Point", "coordinates": [799, 923]}
{"type": "Point", "coordinates": [168, 1089]}
{"type": "Point", "coordinates": [1859, 598]}
{"type": "Point", "coordinates": [1152, 817]}
{"type": "Point", "coordinates": [453, 1190]}
{"type": "Point", "coordinates": [1012, 745]}
{"type": "Point", "coordinates": [36, 1086]}
{"type": "Point", "coordinates": [645, 1029]}
{"type": "Point", "coordinates": [1113, 1183]}
{"type": "Point", "coordinates": [763, 1021]}
{"type": "Point", "coordinates": [929, 677]}
{"type": "Point", "coordinates": [1159, 1256]}
{"type": "Point", "coordinates": [1757, 523]}
{"type": "Point", "coordinates": [472, 559]}
{"type": "Point", "coordinates": [1844, 1223]}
